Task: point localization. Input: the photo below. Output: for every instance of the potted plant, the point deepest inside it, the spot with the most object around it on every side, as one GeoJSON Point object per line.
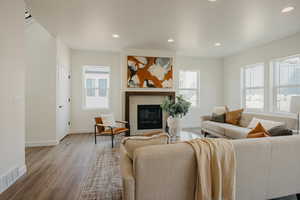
{"type": "Point", "coordinates": [176, 110]}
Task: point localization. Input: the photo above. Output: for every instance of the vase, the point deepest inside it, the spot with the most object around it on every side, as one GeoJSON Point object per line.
{"type": "Point", "coordinates": [174, 124]}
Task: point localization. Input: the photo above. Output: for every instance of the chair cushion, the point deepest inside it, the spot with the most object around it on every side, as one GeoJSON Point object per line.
{"type": "Point", "coordinates": [108, 120]}
{"type": "Point", "coordinates": [135, 142]}
{"type": "Point", "coordinates": [115, 131]}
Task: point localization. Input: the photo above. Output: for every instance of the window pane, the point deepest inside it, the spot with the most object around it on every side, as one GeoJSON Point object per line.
{"type": "Point", "coordinates": [284, 97]}
{"type": "Point", "coordinates": [90, 87]}
{"type": "Point", "coordinates": [289, 71]}
{"type": "Point", "coordinates": [189, 95]}
{"type": "Point", "coordinates": [254, 76]}
{"type": "Point", "coordinates": [188, 79]}
{"type": "Point", "coordinates": [255, 99]}
{"type": "Point", "coordinates": [102, 87]}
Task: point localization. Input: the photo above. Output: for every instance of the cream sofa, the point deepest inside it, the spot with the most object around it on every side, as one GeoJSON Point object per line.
{"type": "Point", "coordinates": [266, 168]}
{"type": "Point", "coordinates": [239, 132]}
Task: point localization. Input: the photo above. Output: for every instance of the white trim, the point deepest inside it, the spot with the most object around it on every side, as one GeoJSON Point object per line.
{"type": "Point", "coordinates": [41, 143]}
{"type": "Point", "coordinates": [197, 90]}
{"type": "Point", "coordinates": [11, 176]}
{"type": "Point", "coordinates": [274, 84]}
{"type": "Point", "coordinates": [244, 88]}
{"type": "Point", "coordinates": [80, 132]}
{"type": "Point", "coordinates": [83, 98]}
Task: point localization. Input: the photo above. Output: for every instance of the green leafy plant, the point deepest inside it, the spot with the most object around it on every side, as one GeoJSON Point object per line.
{"type": "Point", "coordinates": [179, 108]}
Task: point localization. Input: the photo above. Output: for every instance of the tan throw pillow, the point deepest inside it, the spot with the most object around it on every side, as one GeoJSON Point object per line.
{"type": "Point", "coordinates": [258, 131]}
{"type": "Point", "coordinates": [134, 142]}
{"type": "Point", "coordinates": [233, 117]}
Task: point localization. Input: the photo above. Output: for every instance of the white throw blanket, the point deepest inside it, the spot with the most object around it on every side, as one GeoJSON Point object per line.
{"type": "Point", "coordinates": [216, 169]}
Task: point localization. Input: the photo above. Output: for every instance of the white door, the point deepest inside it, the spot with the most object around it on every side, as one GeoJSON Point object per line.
{"type": "Point", "coordinates": [63, 102]}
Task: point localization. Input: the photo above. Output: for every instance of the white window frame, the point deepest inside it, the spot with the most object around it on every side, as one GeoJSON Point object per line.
{"type": "Point", "coordinates": [191, 89]}
{"type": "Point", "coordinates": [84, 92]}
{"type": "Point", "coordinates": [274, 86]}
{"type": "Point", "coordinates": [244, 88]}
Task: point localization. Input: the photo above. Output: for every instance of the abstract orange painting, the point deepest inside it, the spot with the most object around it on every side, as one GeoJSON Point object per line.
{"type": "Point", "coordinates": [149, 72]}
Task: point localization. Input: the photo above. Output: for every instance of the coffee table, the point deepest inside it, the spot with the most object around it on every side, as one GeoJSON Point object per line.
{"type": "Point", "coordinates": [185, 136]}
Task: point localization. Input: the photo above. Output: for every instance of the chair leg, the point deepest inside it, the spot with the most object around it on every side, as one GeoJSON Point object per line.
{"type": "Point", "coordinates": [298, 196]}
{"type": "Point", "coordinates": [95, 132]}
{"type": "Point", "coordinates": [112, 140]}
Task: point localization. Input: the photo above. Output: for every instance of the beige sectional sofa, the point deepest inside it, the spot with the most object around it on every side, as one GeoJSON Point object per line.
{"type": "Point", "coordinates": [239, 132]}
{"type": "Point", "coordinates": [266, 168]}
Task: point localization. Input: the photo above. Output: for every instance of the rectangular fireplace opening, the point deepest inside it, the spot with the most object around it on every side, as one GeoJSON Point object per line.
{"type": "Point", "coordinates": [150, 117]}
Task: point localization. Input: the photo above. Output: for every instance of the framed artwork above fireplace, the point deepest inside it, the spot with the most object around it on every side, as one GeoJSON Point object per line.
{"type": "Point", "coordinates": [149, 72]}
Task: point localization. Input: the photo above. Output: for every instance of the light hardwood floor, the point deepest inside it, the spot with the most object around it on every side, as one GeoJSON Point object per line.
{"type": "Point", "coordinates": [55, 173]}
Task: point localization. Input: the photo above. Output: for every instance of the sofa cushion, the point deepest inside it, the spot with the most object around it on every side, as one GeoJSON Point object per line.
{"type": "Point", "coordinates": [236, 132]}
{"type": "Point", "coordinates": [214, 127]}
{"type": "Point", "coordinates": [135, 142]}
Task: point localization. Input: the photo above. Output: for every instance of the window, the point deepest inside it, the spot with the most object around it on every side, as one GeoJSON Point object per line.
{"type": "Point", "coordinates": [189, 86]}
{"type": "Point", "coordinates": [96, 86]}
{"type": "Point", "coordinates": [253, 87]}
{"type": "Point", "coordinates": [286, 82]}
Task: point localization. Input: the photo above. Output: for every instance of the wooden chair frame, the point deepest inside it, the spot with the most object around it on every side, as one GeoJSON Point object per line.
{"type": "Point", "coordinates": [112, 134]}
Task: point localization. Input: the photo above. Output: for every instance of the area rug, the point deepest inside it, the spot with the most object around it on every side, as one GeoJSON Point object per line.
{"type": "Point", "coordinates": [103, 181]}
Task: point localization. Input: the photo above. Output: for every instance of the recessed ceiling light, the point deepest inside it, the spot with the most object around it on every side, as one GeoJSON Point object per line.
{"type": "Point", "coordinates": [218, 44]}
{"type": "Point", "coordinates": [287, 9]}
{"type": "Point", "coordinates": [171, 40]}
{"type": "Point", "coordinates": [115, 36]}
{"type": "Point", "coordinates": [212, 0]}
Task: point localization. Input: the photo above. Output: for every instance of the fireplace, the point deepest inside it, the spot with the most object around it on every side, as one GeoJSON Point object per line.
{"type": "Point", "coordinates": [149, 117]}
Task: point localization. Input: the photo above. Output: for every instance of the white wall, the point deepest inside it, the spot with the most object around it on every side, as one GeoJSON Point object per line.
{"type": "Point", "coordinates": [47, 57]}
{"type": "Point", "coordinates": [211, 86]}
{"type": "Point", "coordinates": [211, 89]}
{"type": "Point", "coordinates": [82, 120]}
{"type": "Point", "coordinates": [232, 65]}
{"type": "Point", "coordinates": [40, 86]}
{"type": "Point", "coordinates": [12, 81]}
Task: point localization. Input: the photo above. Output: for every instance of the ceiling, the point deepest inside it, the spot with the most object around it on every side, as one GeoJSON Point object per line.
{"type": "Point", "coordinates": [195, 25]}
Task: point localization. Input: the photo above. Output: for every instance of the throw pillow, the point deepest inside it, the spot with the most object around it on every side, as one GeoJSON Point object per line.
{"type": "Point", "coordinates": [219, 110]}
{"type": "Point", "coordinates": [135, 142]}
{"type": "Point", "coordinates": [218, 114]}
{"type": "Point", "coordinates": [233, 117]}
{"type": "Point", "coordinates": [108, 120]}
{"type": "Point", "coordinates": [258, 131]}
{"type": "Point", "coordinates": [218, 118]}
{"type": "Point", "coordinates": [267, 124]}
{"type": "Point", "coordinates": [280, 131]}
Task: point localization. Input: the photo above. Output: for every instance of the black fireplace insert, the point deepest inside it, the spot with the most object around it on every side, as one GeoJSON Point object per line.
{"type": "Point", "coordinates": [150, 117]}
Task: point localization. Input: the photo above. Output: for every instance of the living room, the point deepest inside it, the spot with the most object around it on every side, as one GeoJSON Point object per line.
{"type": "Point", "coordinates": [172, 76]}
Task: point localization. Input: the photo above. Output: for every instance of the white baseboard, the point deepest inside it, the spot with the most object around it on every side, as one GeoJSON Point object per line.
{"type": "Point", "coordinates": [80, 131]}
{"type": "Point", "coordinates": [41, 143]}
{"type": "Point", "coordinates": [10, 177]}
